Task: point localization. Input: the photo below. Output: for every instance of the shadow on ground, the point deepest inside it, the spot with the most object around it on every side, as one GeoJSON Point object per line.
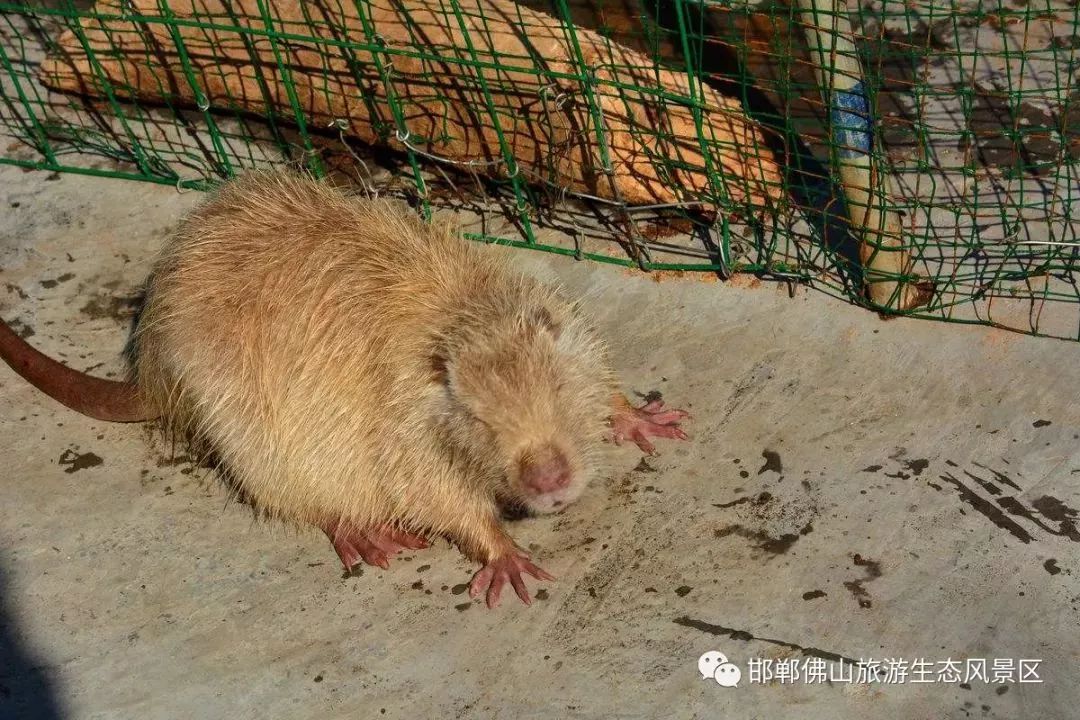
{"type": "Point", "coordinates": [26, 690]}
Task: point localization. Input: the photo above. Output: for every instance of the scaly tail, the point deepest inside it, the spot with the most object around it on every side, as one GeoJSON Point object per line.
{"type": "Point", "coordinates": [95, 397]}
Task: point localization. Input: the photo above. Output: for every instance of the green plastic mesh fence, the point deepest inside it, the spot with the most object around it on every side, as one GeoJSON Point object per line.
{"type": "Point", "coordinates": [800, 142]}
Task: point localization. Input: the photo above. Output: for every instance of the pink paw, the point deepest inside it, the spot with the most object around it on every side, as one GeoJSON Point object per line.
{"type": "Point", "coordinates": [495, 574]}
{"type": "Point", "coordinates": [650, 420]}
{"type": "Point", "coordinates": [374, 547]}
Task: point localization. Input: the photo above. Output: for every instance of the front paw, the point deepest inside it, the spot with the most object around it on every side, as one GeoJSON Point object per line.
{"type": "Point", "coordinates": [650, 420]}
{"type": "Point", "coordinates": [493, 576]}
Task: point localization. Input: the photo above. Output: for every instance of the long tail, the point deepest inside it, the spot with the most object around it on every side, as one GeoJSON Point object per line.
{"type": "Point", "coordinates": [95, 397]}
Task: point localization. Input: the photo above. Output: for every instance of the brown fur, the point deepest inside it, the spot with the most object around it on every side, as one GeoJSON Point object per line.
{"type": "Point", "coordinates": [348, 362]}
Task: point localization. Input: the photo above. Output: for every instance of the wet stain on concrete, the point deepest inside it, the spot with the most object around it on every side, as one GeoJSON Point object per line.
{"type": "Point", "coordinates": [1046, 513]}
{"type": "Point", "coordinates": [772, 462]}
{"type": "Point", "coordinates": [644, 467]}
{"type": "Point", "coordinates": [76, 461]}
{"type": "Point", "coordinates": [12, 288]}
{"type": "Point", "coordinates": [987, 509]}
{"type": "Point", "coordinates": [116, 307]}
{"type": "Point", "coordinates": [22, 329]}
{"type": "Point", "coordinates": [775, 545]}
{"type": "Point", "coordinates": [1053, 509]}
{"type": "Point", "coordinates": [744, 636]}
{"type": "Point", "coordinates": [814, 594]}
{"type": "Point", "coordinates": [911, 468]}
{"type": "Point", "coordinates": [53, 282]}
{"type": "Point", "coordinates": [1055, 512]}
{"type": "Point", "coordinates": [917, 466]}
{"type": "Point", "coordinates": [998, 475]}
{"type": "Point", "coordinates": [759, 499]}
{"type": "Point", "coordinates": [857, 588]}
{"type": "Point", "coordinates": [651, 396]}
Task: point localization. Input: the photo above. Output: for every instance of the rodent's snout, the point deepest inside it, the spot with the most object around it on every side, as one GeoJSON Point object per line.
{"type": "Point", "coordinates": [545, 471]}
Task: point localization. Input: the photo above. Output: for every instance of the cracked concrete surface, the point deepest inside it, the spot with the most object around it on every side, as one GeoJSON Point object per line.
{"type": "Point", "coordinates": [853, 489]}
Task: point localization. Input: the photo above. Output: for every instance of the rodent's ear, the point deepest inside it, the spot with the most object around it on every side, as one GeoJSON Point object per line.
{"type": "Point", "coordinates": [543, 318]}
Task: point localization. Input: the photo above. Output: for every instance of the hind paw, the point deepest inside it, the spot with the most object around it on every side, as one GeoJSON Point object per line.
{"type": "Point", "coordinates": [374, 547]}
{"type": "Point", "coordinates": [493, 576]}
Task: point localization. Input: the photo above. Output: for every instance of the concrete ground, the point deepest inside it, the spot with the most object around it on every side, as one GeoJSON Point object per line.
{"type": "Point", "coordinates": [853, 490]}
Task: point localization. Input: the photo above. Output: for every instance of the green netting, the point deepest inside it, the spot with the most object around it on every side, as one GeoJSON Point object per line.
{"type": "Point", "coordinates": [974, 111]}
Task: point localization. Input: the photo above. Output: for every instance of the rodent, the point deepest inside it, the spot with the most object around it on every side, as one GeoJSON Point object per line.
{"type": "Point", "coordinates": [357, 369]}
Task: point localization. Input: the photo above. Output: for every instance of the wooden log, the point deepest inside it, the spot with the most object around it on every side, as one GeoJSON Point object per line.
{"type": "Point", "coordinates": [886, 262]}
{"type": "Point", "coordinates": [495, 84]}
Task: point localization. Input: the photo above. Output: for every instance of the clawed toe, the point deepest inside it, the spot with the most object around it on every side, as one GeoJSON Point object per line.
{"type": "Point", "coordinates": [374, 547]}
{"type": "Point", "coordinates": [650, 420]}
{"type": "Point", "coordinates": [491, 578]}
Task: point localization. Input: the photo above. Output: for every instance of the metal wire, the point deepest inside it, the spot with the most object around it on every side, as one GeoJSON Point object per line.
{"type": "Point", "coordinates": [974, 108]}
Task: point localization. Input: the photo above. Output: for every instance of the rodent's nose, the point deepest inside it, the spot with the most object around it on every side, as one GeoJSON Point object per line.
{"type": "Point", "coordinates": [545, 471]}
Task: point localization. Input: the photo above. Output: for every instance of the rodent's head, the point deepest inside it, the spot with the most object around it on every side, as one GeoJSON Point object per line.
{"type": "Point", "coordinates": [525, 393]}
